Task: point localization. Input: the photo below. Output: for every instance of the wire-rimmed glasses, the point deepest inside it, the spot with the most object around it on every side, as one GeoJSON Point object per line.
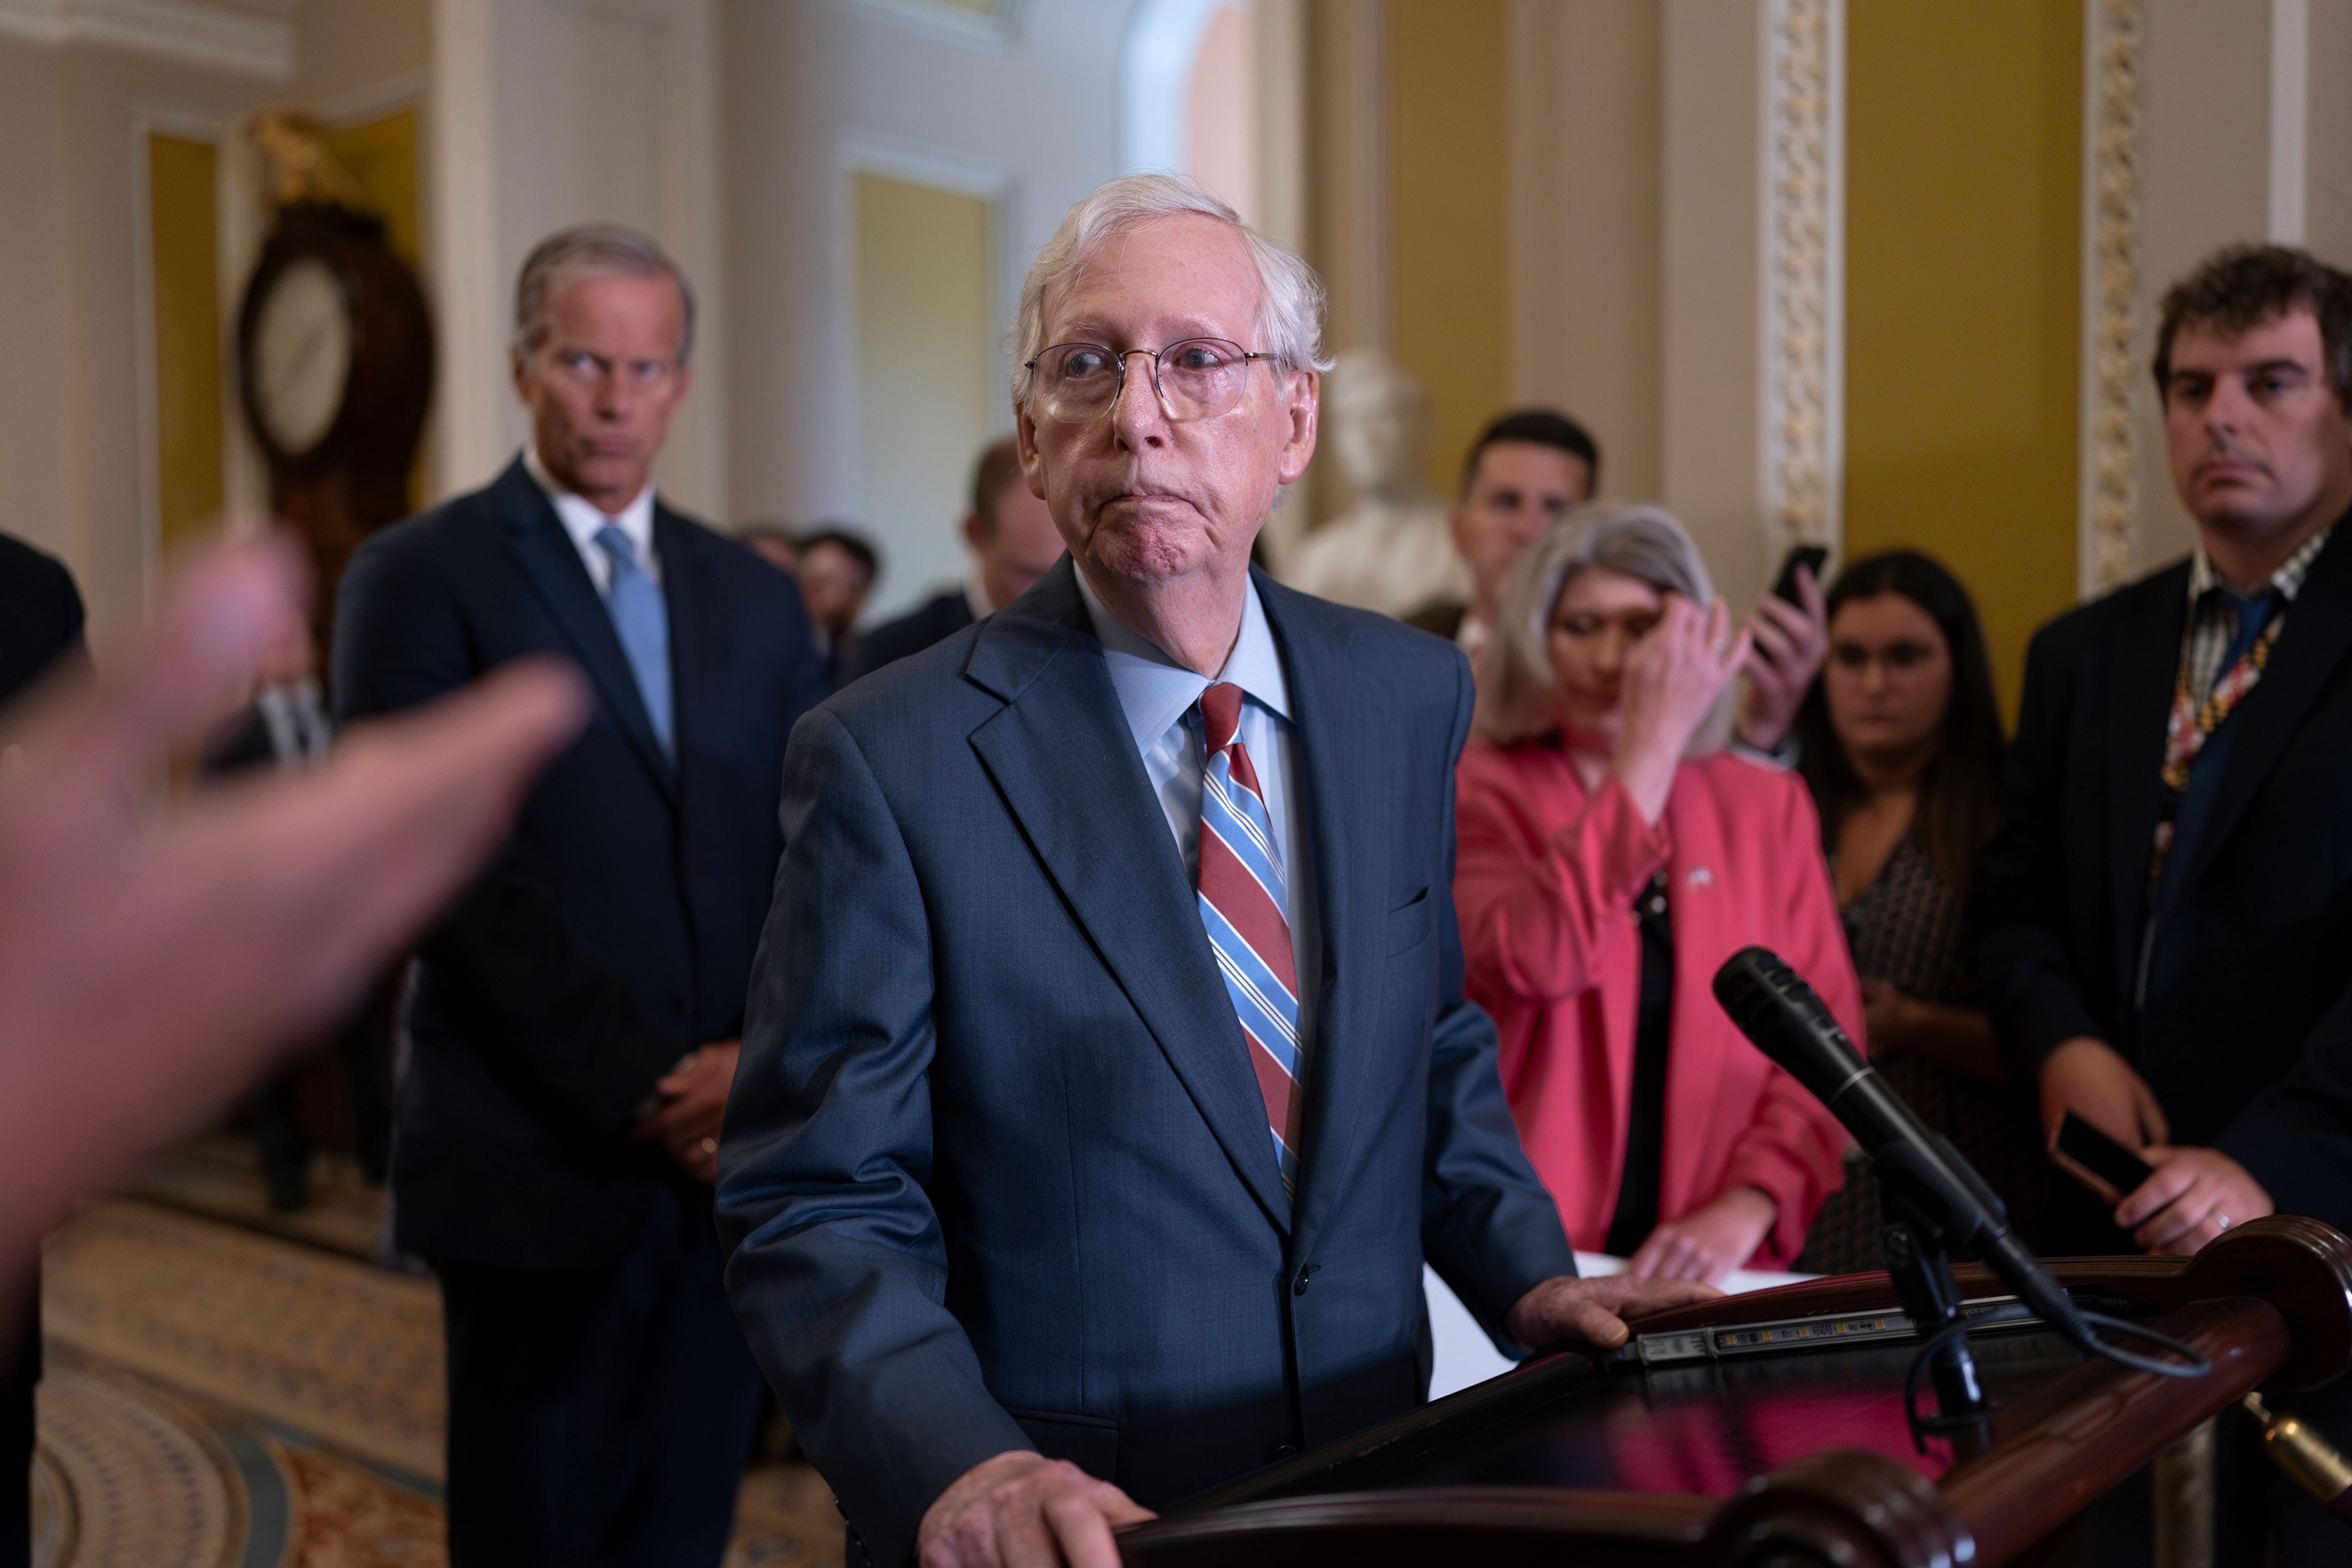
{"type": "Point", "coordinates": [1198, 378]}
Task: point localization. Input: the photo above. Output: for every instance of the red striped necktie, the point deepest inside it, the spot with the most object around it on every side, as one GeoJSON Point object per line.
{"type": "Point", "coordinates": [1245, 906]}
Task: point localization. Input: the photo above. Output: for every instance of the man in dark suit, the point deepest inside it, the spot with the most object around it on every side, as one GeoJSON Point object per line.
{"type": "Point", "coordinates": [1108, 1076]}
{"type": "Point", "coordinates": [40, 628]}
{"type": "Point", "coordinates": [1014, 542]}
{"type": "Point", "coordinates": [2166, 915]}
{"type": "Point", "coordinates": [576, 1020]}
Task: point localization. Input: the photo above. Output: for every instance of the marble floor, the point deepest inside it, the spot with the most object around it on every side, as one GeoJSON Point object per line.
{"type": "Point", "coordinates": [226, 1387]}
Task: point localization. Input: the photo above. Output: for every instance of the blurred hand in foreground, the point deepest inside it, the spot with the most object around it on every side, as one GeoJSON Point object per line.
{"type": "Point", "coordinates": [150, 964]}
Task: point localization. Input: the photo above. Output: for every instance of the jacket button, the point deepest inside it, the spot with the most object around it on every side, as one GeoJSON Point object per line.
{"type": "Point", "coordinates": [1303, 1274]}
{"type": "Point", "coordinates": [1283, 1450]}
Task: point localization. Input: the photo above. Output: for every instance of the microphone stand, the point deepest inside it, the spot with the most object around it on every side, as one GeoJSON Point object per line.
{"type": "Point", "coordinates": [1918, 1253]}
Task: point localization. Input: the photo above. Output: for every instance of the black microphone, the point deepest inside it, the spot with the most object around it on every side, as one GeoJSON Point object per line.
{"type": "Point", "coordinates": [1782, 1017]}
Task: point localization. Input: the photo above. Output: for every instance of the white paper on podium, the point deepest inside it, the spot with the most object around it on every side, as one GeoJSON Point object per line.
{"type": "Point", "coordinates": [1465, 1355]}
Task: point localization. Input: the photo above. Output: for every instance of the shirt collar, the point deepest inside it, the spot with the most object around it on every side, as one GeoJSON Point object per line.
{"type": "Point", "coordinates": [581, 519]}
{"type": "Point", "coordinates": [1155, 691]}
{"type": "Point", "coordinates": [2287, 581]}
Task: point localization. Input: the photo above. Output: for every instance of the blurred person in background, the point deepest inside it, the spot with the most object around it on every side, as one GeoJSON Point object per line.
{"type": "Point", "coordinates": [1014, 542]}
{"type": "Point", "coordinates": [837, 567]}
{"type": "Point", "coordinates": [1528, 469]}
{"type": "Point", "coordinates": [1613, 856]}
{"type": "Point", "coordinates": [772, 543]}
{"type": "Point", "coordinates": [1900, 742]}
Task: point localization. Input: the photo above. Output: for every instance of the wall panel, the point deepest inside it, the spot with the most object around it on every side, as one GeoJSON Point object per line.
{"type": "Point", "coordinates": [1963, 270]}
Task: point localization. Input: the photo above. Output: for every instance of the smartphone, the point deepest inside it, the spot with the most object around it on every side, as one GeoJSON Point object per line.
{"type": "Point", "coordinates": [1812, 557]}
{"type": "Point", "coordinates": [2097, 1160]}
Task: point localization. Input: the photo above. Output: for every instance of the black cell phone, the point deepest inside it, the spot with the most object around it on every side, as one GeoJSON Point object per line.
{"type": "Point", "coordinates": [1812, 557]}
{"type": "Point", "coordinates": [2097, 1160]}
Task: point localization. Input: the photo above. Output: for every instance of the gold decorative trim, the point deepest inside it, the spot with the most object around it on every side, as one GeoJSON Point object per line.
{"type": "Point", "coordinates": [2115, 34]}
{"type": "Point", "coordinates": [1803, 266]}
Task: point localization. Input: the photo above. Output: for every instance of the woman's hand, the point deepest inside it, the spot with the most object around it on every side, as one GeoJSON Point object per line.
{"type": "Point", "coordinates": [1672, 677]}
{"type": "Point", "coordinates": [1707, 1242]}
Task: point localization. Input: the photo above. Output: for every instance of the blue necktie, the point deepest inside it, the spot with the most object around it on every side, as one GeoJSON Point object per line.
{"type": "Point", "coordinates": [642, 622]}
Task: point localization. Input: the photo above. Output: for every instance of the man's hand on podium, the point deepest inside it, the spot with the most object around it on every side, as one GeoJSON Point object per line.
{"type": "Point", "coordinates": [1593, 1311]}
{"type": "Point", "coordinates": [1021, 1510]}
{"type": "Point", "coordinates": [2194, 1197]}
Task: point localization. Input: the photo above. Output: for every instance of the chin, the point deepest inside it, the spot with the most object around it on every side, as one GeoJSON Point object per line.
{"type": "Point", "coordinates": [1147, 553]}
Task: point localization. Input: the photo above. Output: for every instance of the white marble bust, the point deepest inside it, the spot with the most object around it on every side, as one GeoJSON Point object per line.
{"type": "Point", "coordinates": [1392, 552]}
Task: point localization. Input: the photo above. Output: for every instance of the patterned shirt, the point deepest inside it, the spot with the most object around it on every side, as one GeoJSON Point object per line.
{"type": "Point", "coordinates": [2213, 622]}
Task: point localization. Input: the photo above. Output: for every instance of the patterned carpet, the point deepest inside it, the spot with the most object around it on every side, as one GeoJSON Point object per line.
{"type": "Point", "coordinates": [220, 1397]}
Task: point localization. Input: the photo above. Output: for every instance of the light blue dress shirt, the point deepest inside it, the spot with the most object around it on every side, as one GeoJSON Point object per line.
{"type": "Point", "coordinates": [1158, 696]}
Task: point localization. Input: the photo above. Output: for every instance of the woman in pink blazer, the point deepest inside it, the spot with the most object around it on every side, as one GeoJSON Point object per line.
{"type": "Point", "coordinates": [1612, 856]}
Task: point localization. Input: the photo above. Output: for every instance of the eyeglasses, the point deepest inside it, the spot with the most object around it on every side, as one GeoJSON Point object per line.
{"type": "Point", "coordinates": [1198, 378]}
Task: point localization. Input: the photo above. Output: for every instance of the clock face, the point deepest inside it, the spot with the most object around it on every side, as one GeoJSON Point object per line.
{"type": "Point", "coordinates": [302, 356]}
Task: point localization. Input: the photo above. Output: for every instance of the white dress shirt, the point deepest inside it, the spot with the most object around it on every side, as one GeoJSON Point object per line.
{"type": "Point", "coordinates": [1158, 696]}
{"type": "Point", "coordinates": [582, 520]}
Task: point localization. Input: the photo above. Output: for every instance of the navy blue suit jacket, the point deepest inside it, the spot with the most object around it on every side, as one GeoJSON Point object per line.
{"type": "Point", "coordinates": [614, 932]}
{"type": "Point", "coordinates": [996, 1171]}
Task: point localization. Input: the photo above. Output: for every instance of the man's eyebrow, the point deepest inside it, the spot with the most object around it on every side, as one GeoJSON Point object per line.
{"type": "Point", "coordinates": [2274, 366]}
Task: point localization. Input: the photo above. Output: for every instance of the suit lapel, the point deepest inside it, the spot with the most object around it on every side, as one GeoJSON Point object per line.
{"type": "Point", "coordinates": [552, 564]}
{"type": "Point", "coordinates": [1346, 789]}
{"type": "Point", "coordinates": [1061, 753]}
{"type": "Point", "coordinates": [2318, 632]}
{"type": "Point", "coordinates": [2146, 665]}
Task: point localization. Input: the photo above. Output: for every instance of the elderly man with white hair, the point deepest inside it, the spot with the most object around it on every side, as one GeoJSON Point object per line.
{"type": "Point", "coordinates": [1108, 1076]}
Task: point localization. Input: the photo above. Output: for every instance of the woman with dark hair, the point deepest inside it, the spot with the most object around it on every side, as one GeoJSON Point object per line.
{"type": "Point", "coordinates": [1902, 748]}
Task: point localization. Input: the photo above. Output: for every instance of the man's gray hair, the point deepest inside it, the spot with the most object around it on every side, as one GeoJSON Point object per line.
{"type": "Point", "coordinates": [592, 249]}
{"type": "Point", "coordinates": [1519, 699]}
{"type": "Point", "coordinates": [1290, 296]}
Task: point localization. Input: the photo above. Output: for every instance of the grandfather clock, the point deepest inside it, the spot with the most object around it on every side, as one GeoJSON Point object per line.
{"type": "Point", "coordinates": [334, 359]}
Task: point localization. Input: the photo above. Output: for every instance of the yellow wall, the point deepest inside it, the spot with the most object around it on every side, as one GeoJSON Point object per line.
{"type": "Point", "coordinates": [185, 262]}
{"type": "Point", "coordinates": [382, 156]}
{"type": "Point", "coordinates": [1450, 201]}
{"type": "Point", "coordinates": [926, 369]}
{"type": "Point", "coordinates": [1963, 190]}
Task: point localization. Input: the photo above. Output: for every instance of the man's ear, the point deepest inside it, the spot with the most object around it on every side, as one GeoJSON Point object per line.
{"type": "Point", "coordinates": [518, 369]}
{"type": "Point", "coordinates": [1025, 441]}
{"type": "Point", "coordinates": [971, 533]}
{"type": "Point", "coordinates": [1303, 404]}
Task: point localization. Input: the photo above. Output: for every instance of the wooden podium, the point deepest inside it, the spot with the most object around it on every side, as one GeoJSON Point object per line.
{"type": "Point", "coordinates": [1802, 1458]}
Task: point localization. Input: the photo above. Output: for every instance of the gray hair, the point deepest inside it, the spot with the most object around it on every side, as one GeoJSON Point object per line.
{"type": "Point", "coordinates": [592, 249]}
{"type": "Point", "coordinates": [1518, 700]}
{"type": "Point", "coordinates": [1290, 296]}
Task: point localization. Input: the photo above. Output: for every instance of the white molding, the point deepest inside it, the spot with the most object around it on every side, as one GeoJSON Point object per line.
{"type": "Point", "coordinates": [1803, 151]}
{"type": "Point", "coordinates": [376, 100]}
{"type": "Point", "coordinates": [2290, 118]}
{"type": "Point", "coordinates": [256, 39]}
{"type": "Point", "coordinates": [2108, 529]}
